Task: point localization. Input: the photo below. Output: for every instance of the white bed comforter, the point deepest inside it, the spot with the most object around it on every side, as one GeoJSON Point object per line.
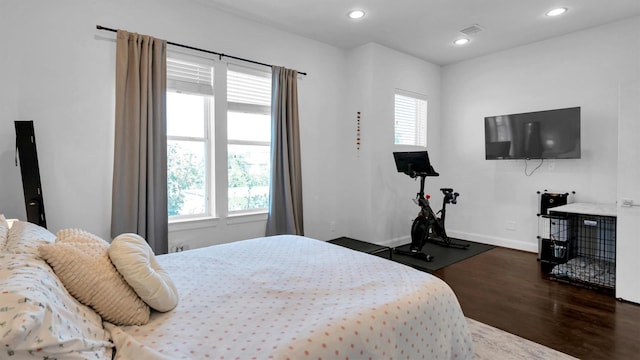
{"type": "Point", "coordinates": [291, 297]}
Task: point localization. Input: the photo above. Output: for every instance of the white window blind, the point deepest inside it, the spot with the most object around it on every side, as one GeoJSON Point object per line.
{"type": "Point", "coordinates": [247, 86]}
{"type": "Point", "coordinates": [189, 76]}
{"type": "Point", "coordinates": [410, 119]}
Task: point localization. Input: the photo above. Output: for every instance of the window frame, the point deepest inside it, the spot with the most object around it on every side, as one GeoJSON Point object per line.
{"type": "Point", "coordinates": [233, 106]}
{"type": "Point", "coordinates": [208, 138]}
{"type": "Point", "coordinates": [419, 140]}
{"type": "Point", "coordinates": [217, 177]}
{"type": "Point", "coordinates": [209, 171]}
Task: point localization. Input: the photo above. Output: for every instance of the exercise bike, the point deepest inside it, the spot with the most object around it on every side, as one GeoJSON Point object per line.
{"type": "Point", "coordinates": [427, 226]}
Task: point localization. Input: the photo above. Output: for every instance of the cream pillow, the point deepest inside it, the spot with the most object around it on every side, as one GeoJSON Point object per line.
{"type": "Point", "coordinates": [86, 271]}
{"type": "Point", "coordinates": [78, 235]}
{"type": "Point", "coordinates": [135, 260]}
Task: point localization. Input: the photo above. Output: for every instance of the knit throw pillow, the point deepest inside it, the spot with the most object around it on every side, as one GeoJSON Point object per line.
{"type": "Point", "coordinates": [86, 271]}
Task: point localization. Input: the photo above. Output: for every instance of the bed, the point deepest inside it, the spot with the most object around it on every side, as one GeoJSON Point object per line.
{"type": "Point", "coordinates": [281, 297]}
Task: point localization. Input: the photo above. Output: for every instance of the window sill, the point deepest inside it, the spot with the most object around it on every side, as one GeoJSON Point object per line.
{"type": "Point", "coordinates": [192, 223]}
{"type": "Point", "coordinates": [246, 217]}
{"type": "Point", "coordinates": [211, 222]}
{"type": "Point", "coordinates": [404, 147]}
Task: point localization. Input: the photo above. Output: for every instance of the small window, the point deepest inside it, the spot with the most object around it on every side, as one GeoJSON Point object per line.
{"type": "Point", "coordinates": [410, 119]}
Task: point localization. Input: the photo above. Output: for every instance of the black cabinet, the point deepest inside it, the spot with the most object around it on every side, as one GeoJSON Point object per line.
{"type": "Point", "coordinates": [551, 230]}
{"type": "Point", "coordinates": [555, 247]}
{"type": "Point", "coordinates": [550, 200]}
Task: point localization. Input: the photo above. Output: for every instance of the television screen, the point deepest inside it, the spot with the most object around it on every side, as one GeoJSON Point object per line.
{"type": "Point", "coordinates": [550, 134]}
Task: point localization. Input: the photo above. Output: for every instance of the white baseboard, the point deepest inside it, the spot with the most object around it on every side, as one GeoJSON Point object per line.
{"type": "Point", "coordinates": [492, 240]}
{"type": "Point", "coordinates": [483, 239]}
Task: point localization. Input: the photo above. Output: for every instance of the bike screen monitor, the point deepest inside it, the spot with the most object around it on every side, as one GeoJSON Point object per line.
{"type": "Point", "coordinates": [414, 163]}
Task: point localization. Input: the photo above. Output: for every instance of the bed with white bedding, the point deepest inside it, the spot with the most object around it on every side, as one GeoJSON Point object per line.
{"type": "Point", "coordinates": [290, 297]}
{"type": "Point", "coordinates": [287, 297]}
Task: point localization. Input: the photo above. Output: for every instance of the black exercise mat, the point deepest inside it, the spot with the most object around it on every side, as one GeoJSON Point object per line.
{"type": "Point", "coordinates": [442, 256]}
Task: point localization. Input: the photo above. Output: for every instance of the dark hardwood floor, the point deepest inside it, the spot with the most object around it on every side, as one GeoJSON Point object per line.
{"type": "Point", "coordinates": [506, 289]}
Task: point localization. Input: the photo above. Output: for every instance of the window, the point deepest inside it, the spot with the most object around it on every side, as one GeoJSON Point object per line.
{"type": "Point", "coordinates": [248, 138]}
{"type": "Point", "coordinates": [189, 115]}
{"type": "Point", "coordinates": [410, 115]}
{"type": "Point", "coordinates": [192, 141]}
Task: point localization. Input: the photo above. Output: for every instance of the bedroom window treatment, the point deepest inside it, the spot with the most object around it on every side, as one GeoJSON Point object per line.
{"type": "Point", "coordinates": [139, 199]}
{"type": "Point", "coordinates": [285, 202]}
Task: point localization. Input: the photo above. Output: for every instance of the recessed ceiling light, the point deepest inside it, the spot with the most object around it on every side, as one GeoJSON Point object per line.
{"type": "Point", "coordinates": [461, 41]}
{"type": "Point", "coordinates": [356, 14]}
{"type": "Point", "coordinates": [556, 12]}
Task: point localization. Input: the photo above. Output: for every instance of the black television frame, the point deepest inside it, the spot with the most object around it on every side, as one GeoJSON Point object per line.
{"type": "Point", "coordinates": [547, 134]}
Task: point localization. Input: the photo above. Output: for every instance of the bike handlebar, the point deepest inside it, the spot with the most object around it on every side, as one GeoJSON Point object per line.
{"type": "Point", "coordinates": [450, 196]}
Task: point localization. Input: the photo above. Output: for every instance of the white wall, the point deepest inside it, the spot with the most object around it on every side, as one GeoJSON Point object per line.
{"type": "Point", "coordinates": [11, 196]}
{"type": "Point", "coordinates": [376, 198]}
{"type": "Point", "coordinates": [56, 78]}
{"type": "Point", "coordinates": [58, 70]}
{"type": "Point", "coordinates": [581, 69]}
{"type": "Point", "coordinates": [628, 221]}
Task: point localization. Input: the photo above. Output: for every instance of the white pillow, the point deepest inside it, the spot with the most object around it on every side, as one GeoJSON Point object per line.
{"type": "Point", "coordinates": [38, 317]}
{"type": "Point", "coordinates": [136, 262]}
{"type": "Point", "coordinates": [25, 238]}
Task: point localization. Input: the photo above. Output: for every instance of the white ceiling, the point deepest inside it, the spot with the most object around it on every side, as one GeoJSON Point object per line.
{"type": "Point", "coordinates": [427, 28]}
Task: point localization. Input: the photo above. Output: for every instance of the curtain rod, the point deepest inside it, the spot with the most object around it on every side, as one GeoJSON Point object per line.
{"type": "Point", "coordinates": [204, 51]}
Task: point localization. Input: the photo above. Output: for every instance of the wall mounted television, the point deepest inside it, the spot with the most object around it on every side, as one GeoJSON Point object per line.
{"type": "Point", "coordinates": [550, 134]}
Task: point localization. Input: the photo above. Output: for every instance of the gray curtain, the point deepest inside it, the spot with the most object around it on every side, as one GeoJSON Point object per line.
{"type": "Point", "coordinates": [139, 200]}
{"type": "Point", "coordinates": [285, 203]}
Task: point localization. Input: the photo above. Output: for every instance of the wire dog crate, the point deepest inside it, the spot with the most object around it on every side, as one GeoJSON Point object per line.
{"type": "Point", "coordinates": [581, 249]}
